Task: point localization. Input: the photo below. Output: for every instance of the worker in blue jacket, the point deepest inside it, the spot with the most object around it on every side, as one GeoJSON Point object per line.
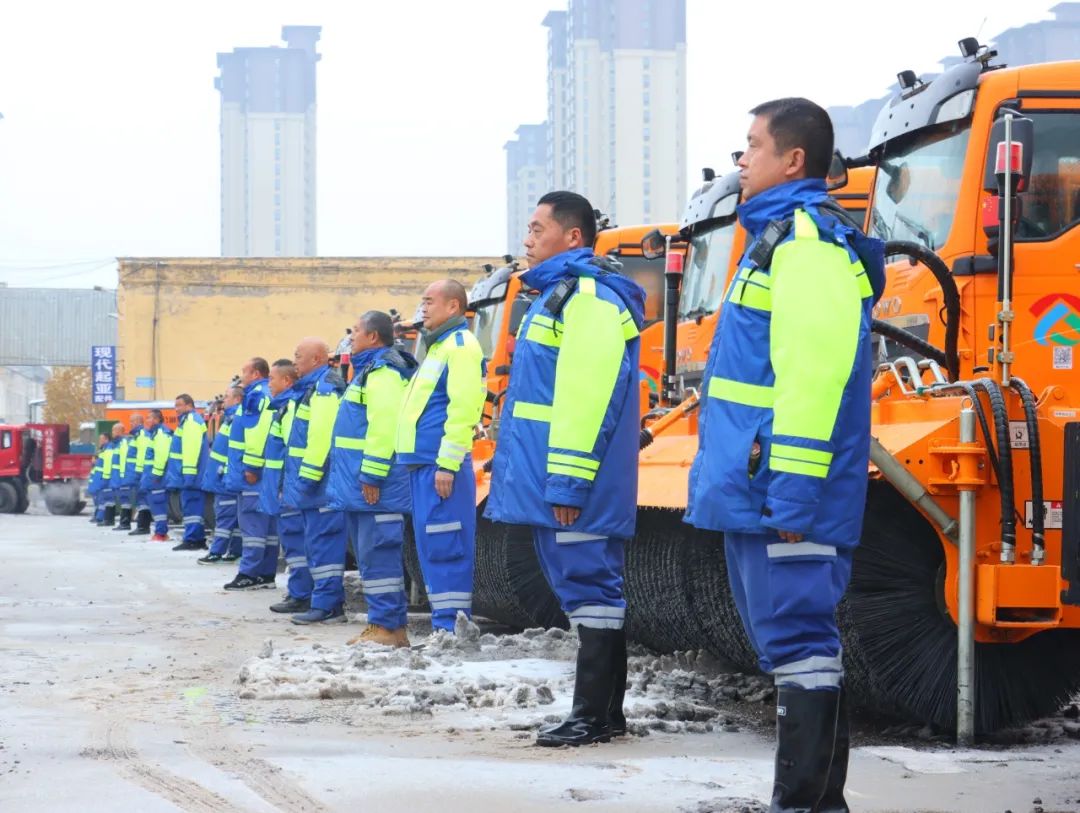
{"type": "Point", "coordinates": [566, 461]}
{"type": "Point", "coordinates": [289, 520]}
{"type": "Point", "coordinates": [152, 478]}
{"type": "Point", "coordinates": [435, 433]}
{"type": "Point", "coordinates": [785, 435]}
{"type": "Point", "coordinates": [187, 464]}
{"type": "Point", "coordinates": [110, 476]}
{"type": "Point", "coordinates": [227, 543]}
{"type": "Point", "coordinates": [120, 445]}
{"type": "Point", "coordinates": [366, 482]}
{"type": "Point", "coordinates": [96, 485]}
{"type": "Point", "coordinates": [257, 568]}
{"type": "Point", "coordinates": [125, 474]}
{"type": "Point", "coordinates": [306, 464]}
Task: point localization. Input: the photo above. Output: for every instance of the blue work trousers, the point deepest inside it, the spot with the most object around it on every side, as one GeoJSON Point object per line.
{"type": "Point", "coordinates": [585, 572]}
{"type": "Point", "coordinates": [158, 499]}
{"type": "Point", "coordinates": [193, 504]}
{"type": "Point", "coordinates": [325, 541]}
{"type": "Point", "coordinates": [445, 533]}
{"type": "Point", "coordinates": [227, 539]}
{"type": "Point", "coordinates": [259, 535]}
{"type": "Point", "coordinates": [290, 524]}
{"type": "Point", "coordinates": [378, 539]}
{"type": "Point", "coordinates": [786, 594]}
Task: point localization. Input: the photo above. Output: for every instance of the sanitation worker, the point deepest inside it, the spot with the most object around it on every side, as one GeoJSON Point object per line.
{"type": "Point", "coordinates": [325, 537]}
{"type": "Point", "coordinates": [566, 461]}
{"type": "Point", "coordinates": [366, 482]}
{"type": "Point", "coordinates": [434, 439]}
{"type": "Point", "coordinates": [96, 485]}
{"type": "Point", "coordinates": [108, 466]}
{"type": "Point", "coordinates": [288, 521]}
{"type": "Point", "coordinates": [227, 543]}
{"type": "Point", "coordinates": [152, 478]}
{"type": "Point", "coordinates": [187, 463]}
{"type": "Point", "coordinates": [140, 503]}
{"type": "Point", "coordinates": [117, 490]}
{"type": "Point", "coordinates": [125, 476]}
{"type": "Point", "coordinates": [253, 573]}
{"type": "Point", "coordinates": [784, 436]}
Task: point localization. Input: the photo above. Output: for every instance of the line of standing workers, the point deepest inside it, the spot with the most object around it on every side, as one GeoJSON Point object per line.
{"type": "Point", "coordinates": [309, 462]}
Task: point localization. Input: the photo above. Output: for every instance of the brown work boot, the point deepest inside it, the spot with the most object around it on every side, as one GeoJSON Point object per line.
{"type": "Point", "coordinates": [374, 634]}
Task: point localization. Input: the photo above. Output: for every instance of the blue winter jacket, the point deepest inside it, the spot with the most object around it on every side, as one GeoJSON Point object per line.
{"type": "Point", "coordinates": [96, 482]}
{"type": "Point", "coordinates": [119, 451]}
{"type": "Point", "coordinates": [256, 399]}
{"type": "Point", "coordinates": [283, 407]}
{"type": "Point", "coordinates": [213, 480]}
{"type": "Point", "coordinates": [362, 452]}
{"type": "Point", "coordinates": [309, 439]}
{"type": "Point", "coordinates": [147, 479]}
{"type": "Point", "coordinates": [189, 453]}
{"type": "Point", "coordinates": [570, 422]}
{"type": "Point", "coordinates": [130, 477]}
{"type": "Point", "coordinates": [789, 368]}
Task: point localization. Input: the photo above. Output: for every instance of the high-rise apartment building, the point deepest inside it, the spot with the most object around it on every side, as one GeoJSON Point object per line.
{"type": "Point", "coordinates": [268, 147]}
{"type": "Point", "coordinates": [616, 93]}
{"type": "Point", "coordinates": [525, 180]}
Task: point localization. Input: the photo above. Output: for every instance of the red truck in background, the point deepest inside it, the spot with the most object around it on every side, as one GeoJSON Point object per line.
{"type": "Point", "coordinates": [41, 453]}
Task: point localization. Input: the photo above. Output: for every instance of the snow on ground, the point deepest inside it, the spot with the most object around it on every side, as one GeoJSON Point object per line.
{"type": "Point", "coordinates": [513, 681]}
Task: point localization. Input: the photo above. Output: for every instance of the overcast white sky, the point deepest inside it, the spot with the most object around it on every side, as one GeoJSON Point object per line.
{"type": "Point", "coordinates": [109, 141]}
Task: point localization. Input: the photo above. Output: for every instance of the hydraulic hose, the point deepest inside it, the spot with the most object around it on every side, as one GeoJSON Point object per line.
{"type": "Point", "coordinates": [649, 433]}
{"type": "Point", "coordinates": [1004, 448]}
{"type": "Point", "coordinates": [949, 291]}
{"type": "Point", "coordinates": [1038, 520]}
{"type": "Point", "coordinates": [910, 341]}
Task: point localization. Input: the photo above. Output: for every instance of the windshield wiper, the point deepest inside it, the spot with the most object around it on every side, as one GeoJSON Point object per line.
{"type": "Point", "coordinates": [918, 230]}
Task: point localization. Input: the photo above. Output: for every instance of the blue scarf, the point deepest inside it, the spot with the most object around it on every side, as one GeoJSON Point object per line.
{"type": "Point", "coordinates": [311, 378]}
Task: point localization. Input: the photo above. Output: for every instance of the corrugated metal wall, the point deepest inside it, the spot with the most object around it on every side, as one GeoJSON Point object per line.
{"type": "Point", "coordinates": [54, 326]}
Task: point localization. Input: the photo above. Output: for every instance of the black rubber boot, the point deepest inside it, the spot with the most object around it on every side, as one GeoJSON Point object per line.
{"type": "Point", "coordinates": [588, 720]}
{"type": "Point", "coordinates": [833, 801]}
{"type": "Point", "coordinates": [125, 520]}
{"type": "Point", "coordinates": [616, 716]}
{"type": "Point", "coordinates": [142, 523]}
{"type": "Point", "coordinates": [805, 733]}
{"type": "Point", "coordinates": [109, 517]}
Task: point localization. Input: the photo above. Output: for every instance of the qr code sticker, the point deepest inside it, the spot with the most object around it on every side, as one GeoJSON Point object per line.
{"type": "Point", "coordinates": [1063, 358]}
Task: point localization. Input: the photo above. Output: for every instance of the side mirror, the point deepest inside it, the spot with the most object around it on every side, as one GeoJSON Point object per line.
{"type": "Point", "coordinates": [653, 245]}
{"type": "Point", "coordinates": [837, 177]}
{"type": "Point", "coordinates": [1023, 150]}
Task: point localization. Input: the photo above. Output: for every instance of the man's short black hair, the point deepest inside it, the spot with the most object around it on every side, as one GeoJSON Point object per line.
{"type": "Point", "coordinates": [287, 367]}
{"type": "Point", "coordinates": [797, 122]}
{"type": "Point", "coordinates": [158, 415]}
{"type": "Point", "coordinates": [185, 398]}
{"type": "Point", "coordinates": [259, 365]}
{"type": "Point", "coordinates": [380, 323]}
{"type": "Point", "coordinates": [572, 211]}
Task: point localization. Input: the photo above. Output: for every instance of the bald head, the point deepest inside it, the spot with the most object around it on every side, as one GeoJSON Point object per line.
{"type": "Point", "coordinates": [311, 354]}
{"type": "Point", "coordinates": [442, 301]}
{"type": "Point", "coordinates": [118, 430]}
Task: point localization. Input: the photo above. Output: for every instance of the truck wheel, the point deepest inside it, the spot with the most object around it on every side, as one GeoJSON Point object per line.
{"type": "Point", "coordinates": [9, 498]}
{"type": "Point", "coordinates": [61, 498]}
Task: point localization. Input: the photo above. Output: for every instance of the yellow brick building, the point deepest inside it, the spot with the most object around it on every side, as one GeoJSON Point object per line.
{"type": "Point", "coordinates": [187, 324]}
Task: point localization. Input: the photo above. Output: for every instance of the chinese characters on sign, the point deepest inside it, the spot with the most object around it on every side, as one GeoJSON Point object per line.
{"type": "Point", "coordinates": [103, 370]}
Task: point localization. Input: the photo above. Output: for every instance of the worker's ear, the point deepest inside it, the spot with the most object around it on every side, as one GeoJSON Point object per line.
{"type": "Point", "coordinates": [796, 165]}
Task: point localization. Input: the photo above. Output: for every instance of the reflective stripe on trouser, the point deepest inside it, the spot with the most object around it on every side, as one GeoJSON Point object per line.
{"type": "Point", "coordinates": [445, 532]}
{"type": "Point", "coordinates": [291, 535]}
{"type": "Point", "coordinates": [122, 496]}
{"type": "Point", "coordinates": [786, 595]}
{"type": "Point", "coordinates": [158, 498]}
{"type": "Point", "coordinates": [193, 504]}
{"type": "Point", "coordinates": [255, 528]}
{"type": "Point", "coordinates": [325, 540]}
{"type": "Point", "coordinates": [138, 499]}
{"type": "Point", "coordinates": [586, 573]}
{"type": "Point", "coordinates": [224, 523]}
{"type": "Point", "coordinates": [377, 540]}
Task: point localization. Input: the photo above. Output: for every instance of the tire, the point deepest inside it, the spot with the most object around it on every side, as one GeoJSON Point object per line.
{"type": "Point", "coordinates": [62, 499]}
{"type": "Point", "coordinates": [9, 497]}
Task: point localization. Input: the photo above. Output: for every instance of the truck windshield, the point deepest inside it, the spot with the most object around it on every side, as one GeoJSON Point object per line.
{"type": "Point", "coordinates": [916, 188]}
{"type": "Point", "coordinates": [703, 280]}
{"type": "Point", "coordinates": [485, 325]}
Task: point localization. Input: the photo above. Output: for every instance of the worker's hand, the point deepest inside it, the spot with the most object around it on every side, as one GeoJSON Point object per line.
{"type": "Point", "coordinates": [250, 478]}
{"type": "Point", "coordinates": [566, 515]}
{"type": "Point", "coordinates": [371, 494]}
{"type": "Point", "coordinates": [790, 536]}
{"type": "Point", "coordinates": [444, 484]}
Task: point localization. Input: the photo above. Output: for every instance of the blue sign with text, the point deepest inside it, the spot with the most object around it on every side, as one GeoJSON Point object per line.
{"type": "Point", "coordinates": [103, 370]}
